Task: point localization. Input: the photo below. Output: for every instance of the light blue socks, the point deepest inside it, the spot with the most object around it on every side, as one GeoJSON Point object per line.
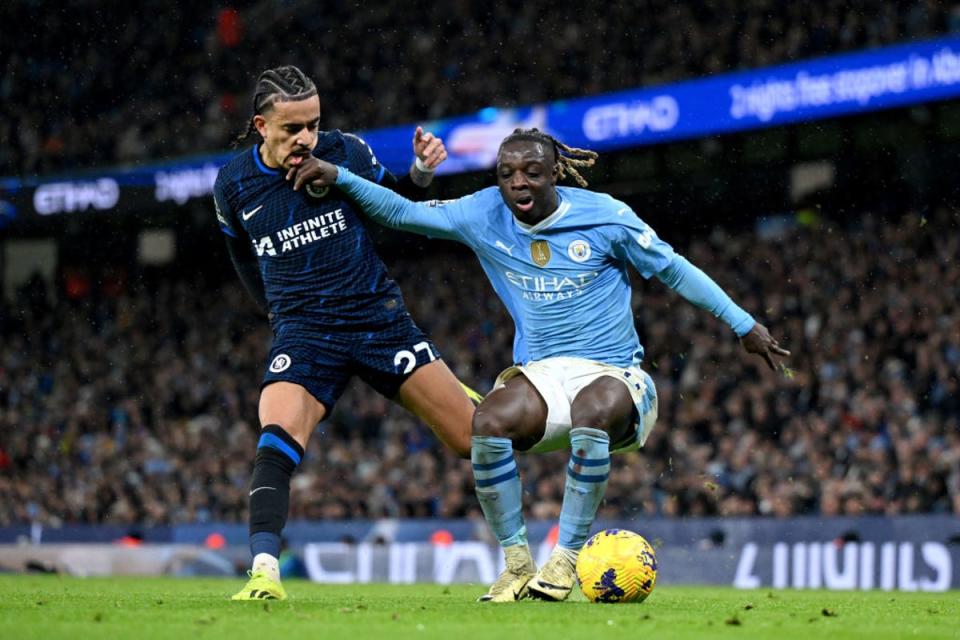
{"type": "Point", "coordinates": [498, 488]}
{"type": "Point", "coordinates": [587, 476]}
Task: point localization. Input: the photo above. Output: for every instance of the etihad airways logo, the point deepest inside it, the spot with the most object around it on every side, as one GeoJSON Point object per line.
{"type": "Point", "coordinates": [546, 287]}
{"type": "Point", "coordinates": [67, 197]}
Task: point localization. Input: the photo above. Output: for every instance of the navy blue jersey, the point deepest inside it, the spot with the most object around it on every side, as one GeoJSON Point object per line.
{"type": "Point", "coordinates": [316, 260]}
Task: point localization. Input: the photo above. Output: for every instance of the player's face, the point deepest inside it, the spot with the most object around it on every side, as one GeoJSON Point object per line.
{"type": "Point", "coordinates": [289, 131]}
{"type": "Point", "coordinates": [527, 177]}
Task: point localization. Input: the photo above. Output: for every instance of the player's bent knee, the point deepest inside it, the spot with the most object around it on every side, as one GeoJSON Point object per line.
{"type": "Point", "coordinates": [292, 408]}
{"type": "Point", "coordinates": [516, 412]}
{"type": "Point", "coordinates": [493, 423]}
{"type": "Point", "coordinates": [486, 423]}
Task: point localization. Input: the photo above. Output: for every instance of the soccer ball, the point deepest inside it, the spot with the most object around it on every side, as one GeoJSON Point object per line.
{"type": "Point", "coordinates": [617, 565]}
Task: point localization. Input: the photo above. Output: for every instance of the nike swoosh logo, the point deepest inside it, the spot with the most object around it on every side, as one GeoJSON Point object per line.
{"type": "Point", "coordinates": [262, 488]}
{"type": "Point", "coordinates": [249, 214]}
{"type": "Point", "coordinates": [549, 585]}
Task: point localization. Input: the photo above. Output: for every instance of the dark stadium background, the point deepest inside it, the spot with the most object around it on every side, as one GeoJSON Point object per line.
{"type": "Point", "coordinates": [128, 390]}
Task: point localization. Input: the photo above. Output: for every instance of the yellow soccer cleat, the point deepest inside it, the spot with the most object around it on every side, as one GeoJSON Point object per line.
{"type": "Point", "coordinates": [475, 397]}
{"type": "Point", "coordinates": [555, 579]}
{"type": "Point", "coordinates": [511, 583]}
{"type": "Point", "coordinates": [260, 587]}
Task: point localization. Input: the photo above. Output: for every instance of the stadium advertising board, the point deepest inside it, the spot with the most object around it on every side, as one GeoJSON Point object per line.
{"type": "Point", "coordinates": [810, 90]}
{"type": "Point", "coordinates": [890, 566]}
{"type": "Point", "coordinates": [911, 553]}
{"type": "Point", "coordinates": [120, 190]}
{"type": "Point", "coordinates": [908, 553]}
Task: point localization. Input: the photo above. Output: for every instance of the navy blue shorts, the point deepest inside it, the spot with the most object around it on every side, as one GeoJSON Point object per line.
{"type": "Point", "coordinates": [322, 361]}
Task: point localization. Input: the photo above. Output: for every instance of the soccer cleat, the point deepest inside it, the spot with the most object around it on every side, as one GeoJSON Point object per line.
{"type": "Point", "coordinates": [554, 581]}
{"type": "Point", "coordinates": [510, 584]}
{"type": "Point", "coordinates": [260, 587]}
{"type": "Point", "coordinates": [475, 397]}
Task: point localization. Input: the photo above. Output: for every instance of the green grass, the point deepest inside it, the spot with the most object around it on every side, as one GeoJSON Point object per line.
{"type": "Point", "coordinates": [196, 609]}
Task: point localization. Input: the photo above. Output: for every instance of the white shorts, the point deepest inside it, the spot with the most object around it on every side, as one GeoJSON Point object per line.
{"type": "Point", "coordinates": [559, 380]}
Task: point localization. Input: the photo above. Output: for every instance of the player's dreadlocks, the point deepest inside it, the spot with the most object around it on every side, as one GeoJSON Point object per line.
{"type": "Point", "coordinates": [281, 84]}
{"type": "Point", "coordinates": [568, 158]}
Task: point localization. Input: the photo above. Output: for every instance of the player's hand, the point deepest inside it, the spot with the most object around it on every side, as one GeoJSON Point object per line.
{"type": "Point", "coordinates": [428, 148]}
{"type": "Point", "coordinates": [312, 171]}
{"type": "Point", "coordinates": [760, 341]}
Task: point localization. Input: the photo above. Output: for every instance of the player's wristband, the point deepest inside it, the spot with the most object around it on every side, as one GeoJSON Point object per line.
{"type": "Point", "coordinates": [418, 163]}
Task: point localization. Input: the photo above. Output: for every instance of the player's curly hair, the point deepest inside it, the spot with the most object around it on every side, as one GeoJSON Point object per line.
{"type": "Point", "coordinates": [281, 84]}
{"type": "Point", "coordinates": [569, 159]}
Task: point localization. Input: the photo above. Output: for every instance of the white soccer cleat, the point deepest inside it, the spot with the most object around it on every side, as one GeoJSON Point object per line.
{"type": "Point", "coordinates": [510, 584]}
{"type": "Point", "coordinates": [555, 579]}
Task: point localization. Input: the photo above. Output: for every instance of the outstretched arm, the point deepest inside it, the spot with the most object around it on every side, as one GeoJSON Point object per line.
{"type": "Point", "coordinates": [697, 287]}
{"type": "Point", "coordinates": [381, 204]}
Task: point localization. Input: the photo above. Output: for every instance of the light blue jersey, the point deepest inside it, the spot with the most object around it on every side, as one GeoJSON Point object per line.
{"type": "Point", "coordinates": [564, 280]}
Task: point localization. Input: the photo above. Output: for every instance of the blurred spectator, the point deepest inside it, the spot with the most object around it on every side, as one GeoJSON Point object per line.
{"type": "Point", "coordinates": [141, 408]}
{"type": "Point", "coordinates": [90, 82]}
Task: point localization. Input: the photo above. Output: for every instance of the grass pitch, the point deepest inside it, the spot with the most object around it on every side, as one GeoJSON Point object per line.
{"type": "Point", "coordinates": [119, 608]}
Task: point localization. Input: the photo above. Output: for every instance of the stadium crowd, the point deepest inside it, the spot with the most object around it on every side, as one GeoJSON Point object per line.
{"type": "Point", "coordinates": [187, 72]}
{"type": "Point", "coordinates": [142, 408]}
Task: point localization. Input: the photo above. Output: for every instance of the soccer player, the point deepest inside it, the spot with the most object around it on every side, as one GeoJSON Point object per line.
{"type": "Point", "coordinates": [306, 259]}
{"type": "Point", "coordinates": [557, 257]}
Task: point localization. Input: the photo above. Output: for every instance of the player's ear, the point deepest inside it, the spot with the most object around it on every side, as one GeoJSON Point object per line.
{"type": "Point", "coordinates": [260, 124]}
{"type": "Point", "coordinates": [555, 174]}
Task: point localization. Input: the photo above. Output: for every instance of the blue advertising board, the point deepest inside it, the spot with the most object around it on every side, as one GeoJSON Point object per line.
{"type": "Point", "coordinates": [803, 91]}
{"type": "Point", "coordinates": [814, 89]}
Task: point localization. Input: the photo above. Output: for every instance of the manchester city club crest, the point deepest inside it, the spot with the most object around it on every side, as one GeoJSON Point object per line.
{"type": "Point", "coordinates": [317, 192]}
{"type": "Point", "coordinates": [579, 251]}
{"type": "Point", "coordinates": [540, 252]}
